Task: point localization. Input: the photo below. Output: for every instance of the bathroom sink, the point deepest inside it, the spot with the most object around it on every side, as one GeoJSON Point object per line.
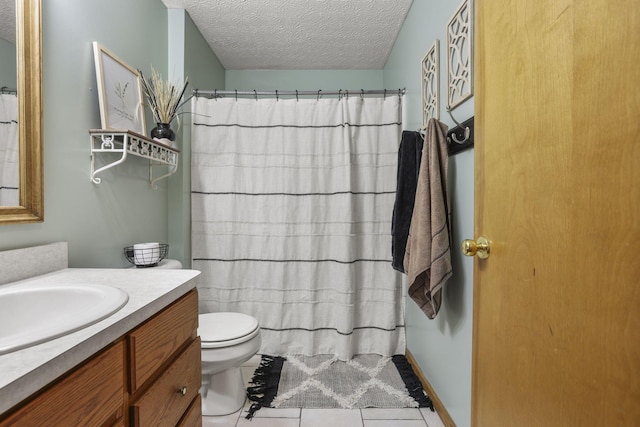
{"type": "Point", "coordinates": [34, 313]}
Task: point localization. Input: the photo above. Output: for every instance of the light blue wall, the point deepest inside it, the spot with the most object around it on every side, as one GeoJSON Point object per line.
{"type": "Point", "coordinates": [96, 220]}
{"type": "Point", "coordinates": [303, 79]}
{"type": "Point", "coordinates": [442, 346]}
{"type": "Point", "coordinates": [189, 57]}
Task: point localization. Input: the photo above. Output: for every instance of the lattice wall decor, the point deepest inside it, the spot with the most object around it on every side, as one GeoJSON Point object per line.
{"type": "Point", "coordinates": [460, 56]}
{"type": "Point", "coordinates": [431, 84]}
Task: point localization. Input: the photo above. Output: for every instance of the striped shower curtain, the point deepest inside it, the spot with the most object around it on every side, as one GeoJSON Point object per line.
{"type": "Point", "coordinates": [9, 163]}
{"type": "Point", "coordinates": [291, 219]}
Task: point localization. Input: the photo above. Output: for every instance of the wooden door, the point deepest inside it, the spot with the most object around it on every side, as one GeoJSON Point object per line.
{"type": "Point", "coordinates": [557, 157]}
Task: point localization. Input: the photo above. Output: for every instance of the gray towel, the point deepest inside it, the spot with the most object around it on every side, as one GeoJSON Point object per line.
{"type": "Point", "coordinates": [428, 254]}
{"type": "Point", "coordinates": [409, 155]}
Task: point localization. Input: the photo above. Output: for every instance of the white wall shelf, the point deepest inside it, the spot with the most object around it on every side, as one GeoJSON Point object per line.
{"type": "Point", "coordinates": [125, 142]}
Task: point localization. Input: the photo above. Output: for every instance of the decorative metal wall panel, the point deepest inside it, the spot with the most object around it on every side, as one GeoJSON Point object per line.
{"type": "Point", "coordinates": [431, 84]}
{"type": "Point", "coordinates": [460, 56]}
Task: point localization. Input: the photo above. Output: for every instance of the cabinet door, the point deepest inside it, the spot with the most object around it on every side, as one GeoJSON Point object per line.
{"type": "Point", "coordinates": [169, 397]}
{"type": "Point", "coordinates": [91, 395]}
{"type": "Point", "coordinates": [155, 342]}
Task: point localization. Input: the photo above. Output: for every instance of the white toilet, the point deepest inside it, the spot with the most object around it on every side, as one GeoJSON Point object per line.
{"type": "Point", "coordinates": [228, 340]}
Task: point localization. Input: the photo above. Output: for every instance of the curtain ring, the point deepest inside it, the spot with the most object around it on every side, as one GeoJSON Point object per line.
{"type": "Point", "coordinates": [339, 94]}
{"type": "Point", "coordinates": [236, 94]}
{"type": "Point", "coordinates": [385, 94]}
{"type": "Point", "coordinates": [297, 99]}
{"type": "Point", "coordinates": [347, 95]}
{"type": "Point", "coordinates": [319, 94]}
{"type": "Point", "coordinates": [255, 94]}
{"type": "Point", "coordinates": [362, 94]}
{"type": "Point", "coordinates": [277, 96]}
{"type": "Point", "coordinates": [215, 94]}
{"type": "Point", "coordinates": [400, 93]}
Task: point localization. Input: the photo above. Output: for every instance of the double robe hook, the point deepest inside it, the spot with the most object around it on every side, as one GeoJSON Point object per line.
{"type": "Point", "coordinates": [467, 130]}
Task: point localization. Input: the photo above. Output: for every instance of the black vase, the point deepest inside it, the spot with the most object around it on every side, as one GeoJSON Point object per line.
{"type": "Point", "coordinates": [163, 130]}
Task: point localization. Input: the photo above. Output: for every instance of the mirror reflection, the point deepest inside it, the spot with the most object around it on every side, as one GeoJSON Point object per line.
{"type": "Point", "coordinates": [9, 146]}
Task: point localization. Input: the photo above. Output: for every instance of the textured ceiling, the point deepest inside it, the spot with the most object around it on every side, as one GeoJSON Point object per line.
{"type": "Point", "coordinates": [8, 20]}
{"type": "Point", "coordinates": [298, 34]}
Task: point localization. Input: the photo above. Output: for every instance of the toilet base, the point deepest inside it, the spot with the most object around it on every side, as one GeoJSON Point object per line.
{"type": "Point", "coordinates": [222, 393]}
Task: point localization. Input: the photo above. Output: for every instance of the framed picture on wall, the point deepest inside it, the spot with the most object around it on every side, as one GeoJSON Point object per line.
{"type": "Point", "coordinates": [119, 92]}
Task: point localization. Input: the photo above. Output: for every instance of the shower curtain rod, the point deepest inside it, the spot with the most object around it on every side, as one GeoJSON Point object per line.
{"type": "Point", "coordinates": [8, 90]}
{"type": "Point", "coordinates": [319, 93]}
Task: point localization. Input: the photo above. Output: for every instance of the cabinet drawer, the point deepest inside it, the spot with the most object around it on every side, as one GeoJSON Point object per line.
{"type": "Point", "coordinates": [153, 344]}
{"type": "Point", "coordinates": [91, 395]}
{"type": "Point", "coordinates": [193, 417]}
{"type": "Point", "coordinates": [163, 404]}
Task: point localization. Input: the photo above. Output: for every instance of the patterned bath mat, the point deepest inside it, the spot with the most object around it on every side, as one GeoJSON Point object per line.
{"type": "Point", "coordinates": [323, 381]}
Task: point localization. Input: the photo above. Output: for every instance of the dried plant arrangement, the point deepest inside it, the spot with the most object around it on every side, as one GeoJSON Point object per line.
{"type": "Point", "coordinates": [163, 96]}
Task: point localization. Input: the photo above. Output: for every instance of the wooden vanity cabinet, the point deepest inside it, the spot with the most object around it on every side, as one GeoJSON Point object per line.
{"type": "Point", "coordinates": [148, 378]}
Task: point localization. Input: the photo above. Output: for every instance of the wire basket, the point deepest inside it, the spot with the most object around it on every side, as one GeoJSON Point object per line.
{"type": "Point", "coordinates": [147, 256]}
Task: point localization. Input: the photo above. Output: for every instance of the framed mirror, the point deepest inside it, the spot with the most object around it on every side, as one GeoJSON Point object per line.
{"type": "Point", "coordinates": [28, 38]}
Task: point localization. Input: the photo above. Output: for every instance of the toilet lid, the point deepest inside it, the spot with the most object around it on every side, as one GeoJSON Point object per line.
{"type": "Point", "coordinates": [226, 329]}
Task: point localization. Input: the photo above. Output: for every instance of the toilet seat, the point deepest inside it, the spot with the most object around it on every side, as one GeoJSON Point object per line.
{"type": "Point", "coordinates": [226, 329]}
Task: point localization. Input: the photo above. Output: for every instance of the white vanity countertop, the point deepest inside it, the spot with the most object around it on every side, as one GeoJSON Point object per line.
{"type": "Point", "coordinates": [25, 371]}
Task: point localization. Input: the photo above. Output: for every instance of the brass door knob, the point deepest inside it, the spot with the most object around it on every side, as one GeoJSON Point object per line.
{"type": "Point", "coordinates": [479, 247]}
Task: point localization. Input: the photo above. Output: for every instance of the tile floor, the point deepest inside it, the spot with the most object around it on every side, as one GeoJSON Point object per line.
{"type": "Point", "coordinates": [370, 417]}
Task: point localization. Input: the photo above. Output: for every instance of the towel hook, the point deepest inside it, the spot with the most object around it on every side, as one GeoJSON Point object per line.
{"type": "Point", "coordinates": [467, 131]}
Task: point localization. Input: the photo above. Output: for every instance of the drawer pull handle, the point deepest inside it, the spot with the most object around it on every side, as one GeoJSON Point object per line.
{"type": "Point", "coordinates": [183, 391]}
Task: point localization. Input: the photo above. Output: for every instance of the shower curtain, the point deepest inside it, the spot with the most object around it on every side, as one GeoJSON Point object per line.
{"type": "Point", "coordinates": [291, 210]}
{"type": "Point", "coordinates": [9, 165]}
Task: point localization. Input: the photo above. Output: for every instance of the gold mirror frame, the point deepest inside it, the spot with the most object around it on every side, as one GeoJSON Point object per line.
{"type": "Point", "coordinates": [29, 52]}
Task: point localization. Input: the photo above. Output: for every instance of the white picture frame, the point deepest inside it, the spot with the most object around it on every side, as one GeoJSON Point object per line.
{"type": "Point", "coordinates": [430, 67]}
{"type": "Point", "coordinates": [460, 55]}
{"type": "Point", "coordinates": [119, 93]}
